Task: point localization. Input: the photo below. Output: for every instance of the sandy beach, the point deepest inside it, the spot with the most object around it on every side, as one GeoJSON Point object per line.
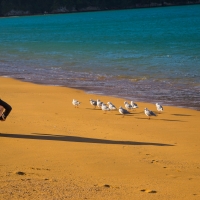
{"type": "Point", "coordinates": [50, 150]}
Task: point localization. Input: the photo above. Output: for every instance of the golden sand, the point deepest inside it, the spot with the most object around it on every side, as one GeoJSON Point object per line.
{"type": "Point", "coordinates": [50, 150]}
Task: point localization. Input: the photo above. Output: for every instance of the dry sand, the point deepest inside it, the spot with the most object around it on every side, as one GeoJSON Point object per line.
{"type": "Point", "coordinates": [50, 150]}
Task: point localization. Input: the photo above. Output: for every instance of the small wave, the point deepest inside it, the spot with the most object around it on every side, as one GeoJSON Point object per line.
{"type": "Point", "coordinates": [123, 77]}
{"type": "Point", "coordinates": [101, 78]}
{"type": "Point", "coordinates": [138, 79]}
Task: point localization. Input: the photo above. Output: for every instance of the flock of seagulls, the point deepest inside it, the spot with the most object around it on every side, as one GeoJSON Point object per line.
{"type": "Point", "coordinates": [128, 107]}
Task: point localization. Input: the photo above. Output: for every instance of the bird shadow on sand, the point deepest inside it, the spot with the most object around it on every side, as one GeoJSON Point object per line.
{"type": "Point", "coordinates": [97, 109]}
{"type": "Point", "coordinates": [126, 115]}
{"type": "Point", "coordinates": [133, 113]}
{"type": "Point", "coordinates": [172, 120]}
{"type": "Point", "coordinates": [182, 115]}
{"type": "Point", "coordinates": [153, 118]}
{"type": "Point", "coordinates": [65, 138]}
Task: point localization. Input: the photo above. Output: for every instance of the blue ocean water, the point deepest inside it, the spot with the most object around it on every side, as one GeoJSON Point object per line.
{"type": "Point", "coordinates": [150, 55]}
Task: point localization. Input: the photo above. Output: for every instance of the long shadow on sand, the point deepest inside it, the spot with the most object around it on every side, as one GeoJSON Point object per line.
{"type": "Point", "coordinates": [182, 115]}
{"type": "Point", "coordinates": [38, 136]}
{"type": "Point", "coordinates": [153, 118]}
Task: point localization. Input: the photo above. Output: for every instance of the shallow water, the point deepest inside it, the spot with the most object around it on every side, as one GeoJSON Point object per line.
{"type": "Point", "coordinates": [150, 55]}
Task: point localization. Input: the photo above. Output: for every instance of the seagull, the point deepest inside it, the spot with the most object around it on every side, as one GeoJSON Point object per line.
{"type": "Point", "coordinates": [104, 107]}
{"type": "Point", "coordinates": [93, 103]}
{"type": "Point", "coordinates": [128, 105]}
{"type": "Point", "coordinates": [111, 106]}
{"type": "Point", "coordinates": [99, 103]}
{"type": "Point", "coordinates": [123, 111]}
{"type": "Point", "coordinates": [76, 103]}
{"type": "Point", "coordinates": [149, 113]}
{"type": "Point", "coordinates": [134, 105]}
{"type": "Point", "coordinates": [159, 107]}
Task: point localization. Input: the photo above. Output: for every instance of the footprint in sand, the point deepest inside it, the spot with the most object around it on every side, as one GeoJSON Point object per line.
{"type": "Point", "coordinates": [154, 161]}
{"type": "Point", "coordinates": [148, 191]}
{"type": "Point", "coordinates": [20, 173]}
{"type": "Point", "coordinates": [107, 186]}
{"type": "Point", "coordinates": [40, 168]}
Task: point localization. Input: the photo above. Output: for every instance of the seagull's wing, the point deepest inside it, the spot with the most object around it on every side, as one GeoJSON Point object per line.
{"type": "Point", "coordinates": [152, 113]}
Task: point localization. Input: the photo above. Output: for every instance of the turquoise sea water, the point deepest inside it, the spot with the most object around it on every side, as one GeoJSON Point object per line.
{"type": "Point", "coordinates": [150, 54]}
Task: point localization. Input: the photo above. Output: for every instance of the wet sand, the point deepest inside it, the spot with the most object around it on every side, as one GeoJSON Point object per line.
{"type": "Point", "coordinates": [52, 150]}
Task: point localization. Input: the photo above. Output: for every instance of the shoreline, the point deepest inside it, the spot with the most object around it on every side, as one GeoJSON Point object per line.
{"type": "Point", "coordinates": [97, 91]}
{"type": "Point", "coordinates": [51, 150]}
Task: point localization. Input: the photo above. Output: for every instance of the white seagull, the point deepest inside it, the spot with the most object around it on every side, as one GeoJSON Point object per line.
{"type": "Point", "coordinates": [123, 111]}
{"type": "Point", "coordinates": [134, 105]}
{"type": "Point", "coordinates": [149, 113]}
{"type": "Point", "coordinates": [159, 107]}
{"type": "Point", "coordinates": [127, 105]}
{"type": "Point", "coordinates": [111, 106]}
{"type": "Point", "coordinates": [104, 107]}
{"type": "Point", "coordinates": [99, 103]}
{"type": "Point", "coordinates": [76, 103]}
{"type": "Point", "coordinates": [93, 103]}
